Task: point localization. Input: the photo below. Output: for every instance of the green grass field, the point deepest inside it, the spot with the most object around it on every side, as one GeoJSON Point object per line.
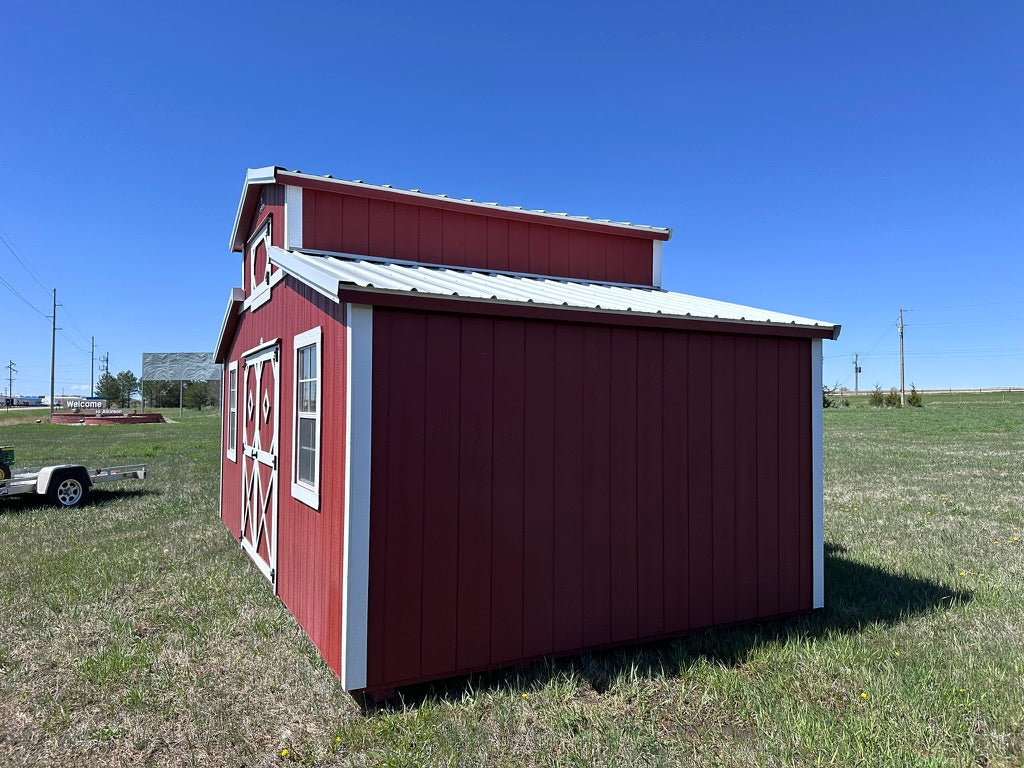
{"type": "Point", "coordinates": [135, 632]}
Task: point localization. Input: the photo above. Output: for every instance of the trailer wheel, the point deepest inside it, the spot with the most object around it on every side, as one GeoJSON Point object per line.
{"type": "Point", "coordinates": [5, 471]}
{"type": "Point", "coordinates": [68, 489]}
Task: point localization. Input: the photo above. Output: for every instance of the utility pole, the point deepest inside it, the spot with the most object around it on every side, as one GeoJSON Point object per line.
{"type": "Point", "coordinates": [903, 390]}
{"type": "Point", "coordinates": [53, 350]}
{"type": "Point", "coordinates": [11, 370]}
{"type": "Point", "coordinates": [92, 369]}
{"type": "Point", "coordinates": [105, 362]}
{"type": "Point", "coordinates": [856, 373]}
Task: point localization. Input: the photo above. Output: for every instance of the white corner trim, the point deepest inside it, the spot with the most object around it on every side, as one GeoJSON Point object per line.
{"type": "Point", "coordinates": [817, 478]}
{"type": "Point", "coordinates": [307, 494]}
{"type": "Point", "coordinates": [656, 263]}
{"type": "Point", "coordinates": [356, 567]}
{"type": "Point", "coordinates": [230, 450]}
{"type": "Point", "coordinates": [292, 217]}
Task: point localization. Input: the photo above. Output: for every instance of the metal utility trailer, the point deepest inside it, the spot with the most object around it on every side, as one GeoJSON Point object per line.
{"type": "Point", "coordinates": [65, 484]}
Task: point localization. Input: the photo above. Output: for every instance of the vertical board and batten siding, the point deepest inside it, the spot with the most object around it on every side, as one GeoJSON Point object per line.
{"type": "Point", "coordinates": [310, 542]}
{"type": "Point", "coordinates": [542, 487]}
{"type": "Point", "coordinates": [392, 230]}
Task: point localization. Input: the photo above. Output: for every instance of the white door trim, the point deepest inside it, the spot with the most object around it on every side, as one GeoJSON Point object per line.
{"type": "Point", "coordinates": [257, 502]}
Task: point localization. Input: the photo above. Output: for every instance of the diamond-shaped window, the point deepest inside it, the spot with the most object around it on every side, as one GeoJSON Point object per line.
{"type": "Point", "coordinates": [266, 406]}
{"type": "Point", "coordinates": [249, 405]}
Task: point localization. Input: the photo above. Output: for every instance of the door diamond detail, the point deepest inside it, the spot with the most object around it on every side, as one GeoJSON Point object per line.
{"type": "Point", "coordinates": [259, 460]}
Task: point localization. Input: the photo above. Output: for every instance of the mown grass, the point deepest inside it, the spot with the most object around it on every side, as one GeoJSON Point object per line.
{"type": "Point", "coordinates": [135, 632]}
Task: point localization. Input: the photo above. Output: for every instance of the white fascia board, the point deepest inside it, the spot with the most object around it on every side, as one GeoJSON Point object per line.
{"type": "Point", "coordinates": [253, 177]}
{"type": "Point", "coordinates": [292, 217]}
{"type": "Point", "coordinates": [306, 270]}
{"type": "Point", "coordinates": [817, 478]}
{"type": "Point", "coordinates": [237, 295]}
{"type": "Point", "coordinates": [656, 263]}
{"type": "Point", "coordinates": [355, 597]}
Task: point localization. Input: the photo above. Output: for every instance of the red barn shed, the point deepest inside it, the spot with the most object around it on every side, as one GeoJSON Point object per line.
{"type": "Point", "coordinates": [460, 435]}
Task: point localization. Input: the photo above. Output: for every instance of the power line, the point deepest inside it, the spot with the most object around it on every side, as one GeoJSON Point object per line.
{"type": "Point", "coordinates": [69, 341]}
{"type": "Point", "coordinates": [13, 290]}
{"type": "Point", "coordinates": [7, 241]}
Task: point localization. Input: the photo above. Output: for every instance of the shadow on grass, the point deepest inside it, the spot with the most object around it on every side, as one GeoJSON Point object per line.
{"type": "Point", "coordinates": [31, 502]}
{"type": "Point", "coordinates": [856, 596]}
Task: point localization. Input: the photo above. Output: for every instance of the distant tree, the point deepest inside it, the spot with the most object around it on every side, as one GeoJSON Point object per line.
{"type": "Point", "coordinates": [892, 398]}
{"type": "Point", "coordinates": [876, 397]}
{"type": "Point", "coordinates": [129, 385]}
{"type": "Point", "coordinates": [118, 389]}
{"type": "Point", "coordinates": [198, 394]}
{"type": "Point", "coordinates": [160, 393]}
{"type": "Point", "coordinates": [914, 399]}
{"type": "Point", "coordinates": [107, 388]}
{"type": "Point", "coordinates": [827, 399]}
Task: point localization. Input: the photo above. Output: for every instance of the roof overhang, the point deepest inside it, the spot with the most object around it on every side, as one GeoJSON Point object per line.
{"type": "Point", "coordinates": [255, 178]}
{"type": "Point", "coordinates": [229, 325]}
{"type": "Point", "coordinates": [344, 277]}
{"type": "Point", "coordinates": [272, 174]}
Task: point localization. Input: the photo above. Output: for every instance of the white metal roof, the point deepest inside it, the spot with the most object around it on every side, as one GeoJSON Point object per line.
{"type": "Point", "coordinates": [330, 273]}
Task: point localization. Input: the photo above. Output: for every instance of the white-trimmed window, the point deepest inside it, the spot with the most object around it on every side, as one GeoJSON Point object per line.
{"type": "Point", "coordinates": [231, 437]}
{"type": "Point", "coordinates": [259, 280]}
{"type": "Point", "coordinates": [306, 424]}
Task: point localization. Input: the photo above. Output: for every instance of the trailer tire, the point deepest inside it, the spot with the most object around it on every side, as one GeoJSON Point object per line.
{"type": "Point", "coordinates": [68, 488]}
{"type": "Point", "coordinates": [5, 471]}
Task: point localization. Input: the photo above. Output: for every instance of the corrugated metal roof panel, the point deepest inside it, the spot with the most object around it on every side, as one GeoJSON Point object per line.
{"type": "Point", "coordinates": [332, 273]}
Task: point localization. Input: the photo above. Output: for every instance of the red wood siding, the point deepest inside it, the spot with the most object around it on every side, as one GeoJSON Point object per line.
{"type": "Point", "coordinates": [309, 542]}
{"type": "Point", "coordinates": [544, 488]}
{"type": "Point", "coordinates": [352, 224]}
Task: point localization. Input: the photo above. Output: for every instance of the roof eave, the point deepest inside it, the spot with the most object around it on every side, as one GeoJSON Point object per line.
{"type": "Point", "coordinates": [254, 178]}
{"type": "Point", "coordinates": [228, 325]}
{"type": "Point", "coordinates": [353, 293]}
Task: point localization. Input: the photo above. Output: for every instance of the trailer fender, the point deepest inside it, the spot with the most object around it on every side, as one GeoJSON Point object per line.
{"type": "Point", "coordinates": [47, 473]}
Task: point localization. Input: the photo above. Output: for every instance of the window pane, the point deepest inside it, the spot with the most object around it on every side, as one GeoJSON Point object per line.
{"type": "Point", "coordinates": [307, 451]}
{"type": "Point", "coordinates": [232, 408]}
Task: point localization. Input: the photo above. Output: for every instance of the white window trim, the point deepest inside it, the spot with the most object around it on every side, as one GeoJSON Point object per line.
{"type": "Point", "coordinates": [231, 445]}
{"type": "Point", "coordinates": [259, 291]}
{"type": "Point", "coordinates": [307, 494]}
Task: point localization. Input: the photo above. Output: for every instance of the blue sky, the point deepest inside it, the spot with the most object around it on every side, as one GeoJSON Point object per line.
{"type": "Point", "coordinates": [833, 160]}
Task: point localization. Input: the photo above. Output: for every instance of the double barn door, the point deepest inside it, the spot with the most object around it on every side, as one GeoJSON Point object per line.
{"type": "Point", "coordinates": [260, 457]}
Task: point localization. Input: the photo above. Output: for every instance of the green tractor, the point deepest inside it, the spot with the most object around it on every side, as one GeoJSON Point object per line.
{"type": "Point", "coordinates": [6, 462]}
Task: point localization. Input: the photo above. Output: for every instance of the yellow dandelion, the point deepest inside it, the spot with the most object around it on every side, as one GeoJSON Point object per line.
{"type": "Point", "coordinates": [895, 653]}
{"type": "Point", "coordinates": [284, 753]}
{"type": "Point", "coordinates": [863, 694]}
{"type": "Point", "coordinates": [525, 695]}
{"type": "Point", "coordinates": [963, 573]}
{"type": "Point", "coordinates": [337, 739]}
